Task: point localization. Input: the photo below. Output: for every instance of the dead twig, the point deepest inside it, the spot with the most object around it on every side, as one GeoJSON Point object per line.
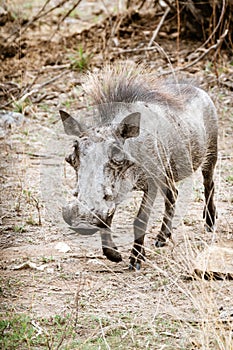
{"type": "Point", "coordinates": [16, 31]}
{"type": "Point", "coordinates": [217, 26]}
{"type": "Point", "coordinates": [105, 8]}
{"type": "Point", "coordinates": [39, 87]}
{"type": "Point", "coordinates": [172, 7]}
{"type": "Point", "coordinates": [38, 208]}
{"type": "Point", "coordinates": [159, 26]}
{"type": "Point", "coordinates": [136, 49]}
{"type": "Point", "coordinates": [65, 16]}
{"type": "Point", "coordinates": [25, 94]}
{"type": "Point", "coordinates": [41, 13]}
{"type": "Point", "coordinates": [81, 285]}
{"type": "Point", "coordinates": [213, 47]}
{"type": "Point", "coordinates": [29, 86]}
{"type": "Point", "coordinates": [55, 67]}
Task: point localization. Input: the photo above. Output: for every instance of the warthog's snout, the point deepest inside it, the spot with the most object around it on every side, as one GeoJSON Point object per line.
{"type": "Point", "coordinates": [85, 224]}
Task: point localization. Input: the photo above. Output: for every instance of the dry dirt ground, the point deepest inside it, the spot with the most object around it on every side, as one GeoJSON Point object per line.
{"type": "Point", "coordinates": [57, 290]}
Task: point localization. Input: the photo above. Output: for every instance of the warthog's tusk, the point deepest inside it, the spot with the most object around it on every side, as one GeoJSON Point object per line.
{"type": "Point", "coordinates": [111, 211]}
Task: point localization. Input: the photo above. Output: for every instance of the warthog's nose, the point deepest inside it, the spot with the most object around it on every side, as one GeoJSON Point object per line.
{"type": "Point", "coordinates": [97, 221]}
{"type": "Point", "coordinates": [108, 194]}
{"type": "Point", "coordinates": [75, 192]}
{"type": "Point", "coordinates": [68, 159]}
{"type": "Point", "coordinates": [103, 219]}
{"type": "Point", "coordinates": [111, 211]}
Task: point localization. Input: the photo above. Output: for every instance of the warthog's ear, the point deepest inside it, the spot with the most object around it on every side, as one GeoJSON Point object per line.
{"type": "Point", "coordinates": [71, 126]}
{"type": "Point", "coordinates": [130, 126]}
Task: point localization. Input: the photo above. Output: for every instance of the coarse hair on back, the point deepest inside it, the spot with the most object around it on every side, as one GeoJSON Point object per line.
{"type": "Point", "coordinates": [129, 83]}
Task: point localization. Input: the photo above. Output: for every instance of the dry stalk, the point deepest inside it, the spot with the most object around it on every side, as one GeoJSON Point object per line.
{"type": "Point", "coordinates": [80, 287]}
{"type": "Point", "coordinates": [103, 335]}
{"type": "Point", "coordinates": [38, 207]}
{"type": "Point", "coordinates": [178, 30]}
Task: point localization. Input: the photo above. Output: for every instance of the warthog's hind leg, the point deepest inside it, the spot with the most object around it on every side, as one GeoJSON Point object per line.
{"type": "Point", "coordinates": [209, 213]}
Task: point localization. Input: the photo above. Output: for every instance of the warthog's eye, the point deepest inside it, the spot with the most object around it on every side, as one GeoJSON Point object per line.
{"type": "Point", "coordinates": [73, 158]}
{"type": "Point", "coordinates": [116, 155]}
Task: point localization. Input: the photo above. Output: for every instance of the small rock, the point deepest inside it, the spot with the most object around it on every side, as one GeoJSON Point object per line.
{"type": "Point", "coordinates": [226, 314]}
{"type": "Point", "coordinates": [5, 16]}
{"type": "Point", "coordinates": [215, 262]}
{"type": "Point", "coordinates": [29, 265]}
{"type": "Point", "coordinates": [62, 247]}
{"type": "Point", "coordinates": [2, 133]}
{"type": "Point", "coordinates": [9, 119]}
{"type": "Point", "coordinates": [50, 270]}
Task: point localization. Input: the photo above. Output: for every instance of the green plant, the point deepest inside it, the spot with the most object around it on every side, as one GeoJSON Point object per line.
{"type": "Point", "coordinates": [74, 14]}
{"type": "Point", "coordinates": [31, 221]}
{"type": "Point", "coordinates": [80, 60]}
{"type": "Point", "coordinates": [46, 259]}
{"type": "Point", "coordinates": [16, 331]}
{"type": "Point", "coordinates": [31, 199]}
{"type": "Point", "coordinates": [69, 102]}
{"type": "Point", "coordinates": [19, 229]}
{"type": "Point", "coordinates": [208, 67]}
{"type": "Point", "coordinates": [19, 331]}
{"type": "Point", "coordinates": [20, 105]}
{"type": "Point", "coordinates": [230, 179]}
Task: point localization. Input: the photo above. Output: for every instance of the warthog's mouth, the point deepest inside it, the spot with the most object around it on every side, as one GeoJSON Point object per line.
{"type": "Point", "coordinates": [85, 228]}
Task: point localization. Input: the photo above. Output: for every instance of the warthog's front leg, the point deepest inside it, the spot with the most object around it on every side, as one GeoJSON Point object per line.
{"type": "Point", "coordinates": [140, 224]}
{"type": "Point", "coordinates": [109, 248]}
{"type": "Point", "coordinates": [170, 194]}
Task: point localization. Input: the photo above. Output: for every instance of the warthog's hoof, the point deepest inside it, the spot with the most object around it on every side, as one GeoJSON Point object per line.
{"type": "Point", "coordinates": [136, 259]}
{"type": "Point", "coordinates": [137, 266]}
{"type": "Point", "coordinates": [211, 228]}
{"type": "Point", "coordinates": [160, 241]}
{"type": "Point", "coordinates": [112, 254]}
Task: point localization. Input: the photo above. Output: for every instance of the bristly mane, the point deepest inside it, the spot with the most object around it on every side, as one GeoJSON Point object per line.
{"type": "Point", "coordinates": [117, 85]}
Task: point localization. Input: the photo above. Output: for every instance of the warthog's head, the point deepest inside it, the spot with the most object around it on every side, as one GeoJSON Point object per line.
{"type": "Point", "coordinates": [105, 170]}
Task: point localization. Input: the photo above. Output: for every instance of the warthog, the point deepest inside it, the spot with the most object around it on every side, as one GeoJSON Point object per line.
{"type": "Point", "coordinates": [151, 134]}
